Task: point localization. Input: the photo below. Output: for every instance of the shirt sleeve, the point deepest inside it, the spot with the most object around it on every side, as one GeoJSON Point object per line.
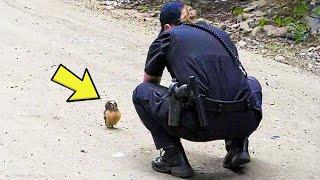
{"type": "Point", "coordinates": [156, 59]}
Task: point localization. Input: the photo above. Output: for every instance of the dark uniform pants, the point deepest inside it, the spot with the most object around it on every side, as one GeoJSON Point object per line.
{"type": "Point", "coordinates": [152, 105]}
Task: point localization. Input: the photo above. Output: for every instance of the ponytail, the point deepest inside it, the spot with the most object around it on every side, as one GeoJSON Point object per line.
{"type": "Point", "coordinates": [188, 14]}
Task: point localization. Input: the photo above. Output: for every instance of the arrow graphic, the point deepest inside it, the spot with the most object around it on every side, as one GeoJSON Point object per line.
{"type": "Point", "coordinates": [84, 89]}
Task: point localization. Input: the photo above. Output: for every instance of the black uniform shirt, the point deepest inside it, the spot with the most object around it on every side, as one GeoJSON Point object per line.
{"type": "Point", "coordinates": [187, 51]}
{"type": "Point", "coordinates": [156, 60]}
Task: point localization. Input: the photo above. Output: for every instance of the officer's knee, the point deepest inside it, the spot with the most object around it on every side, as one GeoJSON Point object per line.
{"type": "Point", "coordinates": [254, 84]}
{"type": "Point", "coordinates": [139, 93]}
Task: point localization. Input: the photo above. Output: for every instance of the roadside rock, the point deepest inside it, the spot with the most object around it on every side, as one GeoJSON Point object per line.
{"type": "Point", "coordinates": [235, 26]}
{"type": "Point", "coordinates": [245, 16]}
{"type": "Point", "coordinates": [256, 30]}
{"type": "Point", "coordinates": [241, 44]}
{"type": "Point", "coordinates": [245, 26]}
{"type": "Point", "coordinates": [279, 58]}
{"type": "Point", "coordinates": [254, 5]}
{"type": "Point", "coordinates": [145, 15]}
{"type": "Point", "coordinates": [204, 20]}
{"type": "Point", "coordinates": [314, 24]}
{"type": "Point", "coordinates": [273, 31]}
{"type": "Point", "coordinates": [109, 7]}
{"type": "Point", "coordinates": [258, 13]}
{"type": "Point", "coordinates": [114, 3]}
{"type": "Point", "coordinates": [251, 8]}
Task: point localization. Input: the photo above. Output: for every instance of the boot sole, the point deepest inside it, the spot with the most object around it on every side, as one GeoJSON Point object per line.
{"type": "Point", "coordinates": [175, 171]}
{"type": "Point", "coordinates": [240, 159]}
{"type": "Point", "coordinates": [237, 161]}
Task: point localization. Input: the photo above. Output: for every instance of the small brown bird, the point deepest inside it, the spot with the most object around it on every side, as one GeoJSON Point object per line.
{"type": "Point", "coordinates": [112, 114]}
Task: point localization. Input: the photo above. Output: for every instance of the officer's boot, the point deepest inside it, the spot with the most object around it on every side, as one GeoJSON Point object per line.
{"type": "Point", "coordinates": [173, 161]}
{"type": "Point", "coordinates": [238, 153]}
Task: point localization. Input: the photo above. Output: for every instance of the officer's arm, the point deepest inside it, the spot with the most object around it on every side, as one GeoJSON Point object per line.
{"type": "Point", "coordinates": [151, 79]}
{"type": "Point", "coordinates": [156, 59]}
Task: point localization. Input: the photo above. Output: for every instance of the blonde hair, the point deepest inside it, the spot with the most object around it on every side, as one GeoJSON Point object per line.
{"type": "Point", "coordinates": [188, 14]}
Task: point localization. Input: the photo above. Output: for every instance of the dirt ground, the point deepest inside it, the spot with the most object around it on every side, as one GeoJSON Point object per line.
{"type": "Point", "coordinates": [44, 137]}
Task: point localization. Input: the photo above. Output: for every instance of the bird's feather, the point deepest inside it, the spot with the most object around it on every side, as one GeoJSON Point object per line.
{"type": "Point", "coordinates": [112, 117]}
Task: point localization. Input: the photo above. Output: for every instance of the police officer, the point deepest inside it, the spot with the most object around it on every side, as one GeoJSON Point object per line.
{"type": "Point", "coordinates": [200, 51]}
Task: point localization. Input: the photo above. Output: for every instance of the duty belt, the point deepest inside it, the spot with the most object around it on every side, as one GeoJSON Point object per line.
{"type": "Point", "coordinates": [178, 96]}
{"type": "Point", "coordinates": [226, 106]}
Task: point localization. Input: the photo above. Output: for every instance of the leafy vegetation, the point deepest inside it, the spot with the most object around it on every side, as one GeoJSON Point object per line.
{"type": "Point", "coordinates": [300, 9]}
{"type": "Point", "coordinates": [280, 22]}
{"type": "Point", "coordinates": [316, 12]}
{"type": "Point", "coordinates": [299, 31]}
{"type": "Point", "coordinates": [143, 8]}
{"type": "Point", "coordinates": [263, 21]}
{"type": "Point", "coordinates": [288, 20]}
{"type": "Point", "coordinates": [237, 11]}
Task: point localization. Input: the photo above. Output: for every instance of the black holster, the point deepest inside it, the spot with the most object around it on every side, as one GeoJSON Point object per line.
{"type": "Point", "coordinates": [190, 92]}
{"type": "Point", "coordinates": [176, 94]}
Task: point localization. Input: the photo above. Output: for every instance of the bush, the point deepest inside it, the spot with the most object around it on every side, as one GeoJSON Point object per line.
{"type": "Point", "coordinates": [316, 12]}
{"type": "Point", "coordinates": [280, 22]}
{"type": "Point", "coordinates": [299, 31]}
{"type": "Point", "coordinates": [288, 20]}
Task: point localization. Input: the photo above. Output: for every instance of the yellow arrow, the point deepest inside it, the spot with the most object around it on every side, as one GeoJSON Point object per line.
{"type": "Point", "coordinates": [84, 89]}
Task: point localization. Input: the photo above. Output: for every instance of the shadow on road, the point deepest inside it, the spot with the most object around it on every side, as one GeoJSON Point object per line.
{"type": "Point", "coordinates": [210, 167]}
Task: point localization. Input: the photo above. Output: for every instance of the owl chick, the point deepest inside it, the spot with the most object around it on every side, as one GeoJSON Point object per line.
{"type": "Point", "coordinates": [111, 115]}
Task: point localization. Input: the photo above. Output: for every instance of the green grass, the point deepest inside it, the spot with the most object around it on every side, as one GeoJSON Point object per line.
{"type": "Point", "coordinates": [300, 9]}
{"type": "Point", "coordinates": [143, 8]}
{"type": "Point", "coordinates": [299, 31]}
{"type": "Point", "coordinates": [288, 20]}
{"type": "Point", "coordinates": [280, 22]}
{"type": "Point", "coordinates": [263, 21]}
{"type": "Point", "coordinates": [316, 11]}
{"type": "Point", "coordinates": [237, 11]}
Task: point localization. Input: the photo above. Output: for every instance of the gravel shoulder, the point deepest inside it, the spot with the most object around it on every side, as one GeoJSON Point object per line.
{"type": "Point", "coordinates": [43, 137]}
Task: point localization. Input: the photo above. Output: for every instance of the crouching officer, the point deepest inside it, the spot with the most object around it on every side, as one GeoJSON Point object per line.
{"type": "Point", "coordinates": [211, 96]}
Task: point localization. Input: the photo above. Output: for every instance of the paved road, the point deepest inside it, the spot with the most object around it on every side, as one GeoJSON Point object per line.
{"type": "Point", "coordinates": [43, 137]}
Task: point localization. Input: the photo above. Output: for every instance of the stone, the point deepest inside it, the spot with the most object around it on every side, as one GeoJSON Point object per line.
{"type": "Point", "coordinates": [273, 31]}
{"type": "Point", "coordinates": [107, 3]}
{"type": "Point", "coordinates": [254, 5]}
{"type": "Point", "coordinates": [204, 21]}
{"type": "Point", "coordinates": [245, 26]}
{"type": "Point", "coordinates": [222, 26]}
{"type": "Point", "coordinates": [109, 7]}
{"type": "Point", "coordinates": [242, 43]}
{"type": "Point", "coordinates": [154, 14]}
{"type": "Point", "coordinates": [314, 24]}
{"type": "Point", "coordinates": [243, 17]}
{"type": "Point", "coordinates": [235, 26]}
{"type": "Point", "coordinates": [262, 3]}
{"type": "Point", "coordinates": [256, 30]}
{"type": "Point", "coordinates": [279, 58]}
{"type": "Point", "coordinates": [240, 18]}
{"type": "Point", "coordinates": [311, 49]}
{"type": "Point", "coordinates": [268, 28]}
{"type": "Point", "coordinates": [250, 8]}
{"type": "Point", "coordinates": [247, 15]}
{"type": "Point", "coordinates": [145, 15]}
{"type": "Point", "coordinates": [258, 13]}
